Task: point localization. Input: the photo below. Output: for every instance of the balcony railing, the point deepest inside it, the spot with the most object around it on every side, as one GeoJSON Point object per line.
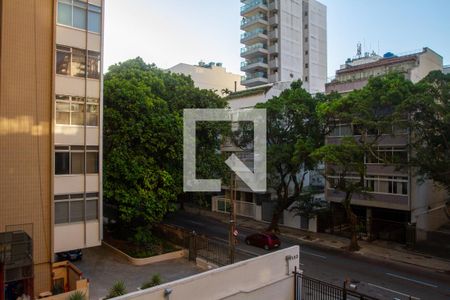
{"type": "Point", "coordinates": [253, 61]}
{"type": "Point", "coordinates": [250, 34]}
{"type": "Point", "coordinates": [254, 76]}
{"type": "Point", "coordinates": [253, 47]}
{"type": "Point", "coordinates": [252, 5]}
{"type": "Point", "coordinates": [255, 18]}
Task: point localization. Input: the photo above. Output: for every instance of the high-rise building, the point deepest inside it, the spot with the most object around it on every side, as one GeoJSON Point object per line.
{"type": "Point", "coordinates": [50, 134]}
{"type": "Point", "coordinates": [284, 40]}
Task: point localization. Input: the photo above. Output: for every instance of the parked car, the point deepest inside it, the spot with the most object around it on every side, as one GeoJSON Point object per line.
{"type": "Point", "coordinates": [264, 240]}
{"type": "Point", "coordinates": [72, 255]}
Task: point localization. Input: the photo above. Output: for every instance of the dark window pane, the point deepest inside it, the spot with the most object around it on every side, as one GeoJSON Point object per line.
{"type": "Point", "coordinates": [61, 212]}
{"type": "Point", "coordinates": [78, 63]}
{"type": "Point", "coordinates": [76, 211]}
{"type": "Point", "coordinates": [63, 63]}
{"type": "Point", "coordinates": [91, 210]}
{"type": "Point", "coordinates": [61, 163]}
{"type": "Point", "coordinates": [77, 163]}
{"type": "Point", "coordinates": [79, 17]}
{"type": "Point", "coordinates": [92, 162]}
{"type": "Point", "coordinates": [94, 65]}
{"type": "Point", "coordinates": [65, 14]}
{"type": "Point", "coordinates": [94, 21]}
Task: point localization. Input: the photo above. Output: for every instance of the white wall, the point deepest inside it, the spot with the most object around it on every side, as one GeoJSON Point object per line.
{"type": "Point", "coordinates": [263, 277]}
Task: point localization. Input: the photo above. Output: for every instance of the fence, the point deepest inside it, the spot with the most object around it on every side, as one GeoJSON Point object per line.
{"type": "Point", "coordinates": [243, 208]}
{"type": "Point", "coordinates": [211, 250]}
{"type": "Point", "coordinates": [307, 288]}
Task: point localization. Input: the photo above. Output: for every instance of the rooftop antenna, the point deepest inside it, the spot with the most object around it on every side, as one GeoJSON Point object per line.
{"type": "Point", "coordinates": [378, 47]}
{"type": "Point", "coordinates": [358, 50]}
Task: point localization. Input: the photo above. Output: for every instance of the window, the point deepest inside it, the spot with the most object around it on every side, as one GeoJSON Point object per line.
{"type": "Point", "coordinates": [76, 208]}
{"type": "Point", "coordinates": [306, 52]}
{"type": "Point", "coordinates": [70, 110]}
{"type": "Point", "coordinates": [80, 15]}
{"type": "Point", "coordinates": [306, 39]}
{"type": "Point", "coordinates": [397, 185]}
{"type": "Point", "coordinates": [306, 66]}
{"type": "Point", "coordinates": [71, 160]}
{"type": "Point", "coordinates": [306, 78]}
{"type": "Point", "coordinates": [387, 155]}
{"type": "Point", "coordinates": [306, 26]}
{"type": "Point", "coordinates": [73, 62]}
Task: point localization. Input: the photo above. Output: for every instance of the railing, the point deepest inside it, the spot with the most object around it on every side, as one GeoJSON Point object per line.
{"type": "Point", "coordinates": [243, 208]}
{"type": "Point", "coordinates": [254, 18]}
{"type": "Point", "coordinates": [254, 76]}
{"type": "Point", "coordinates": [253, 33]}
{"type": "Point", "coordinates": [253, 61]}
{"type": "Point", "coordinates": [253, 47]}
{"type": "Point", "coordinates": [307, 288]}
{"type": "Point", "coordinates": [252, 4]}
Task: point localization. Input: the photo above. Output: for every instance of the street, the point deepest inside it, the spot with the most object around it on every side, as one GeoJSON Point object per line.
{"type": "Point", "coordinates": [379, 278]}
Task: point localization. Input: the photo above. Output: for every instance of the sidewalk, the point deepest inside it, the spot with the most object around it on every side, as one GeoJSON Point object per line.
{"type": "Point", "coordinates": [377, 249]}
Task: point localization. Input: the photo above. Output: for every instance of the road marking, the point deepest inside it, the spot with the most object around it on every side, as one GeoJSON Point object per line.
{"type": "Point", "coordinates": [312, 254]}
{"type": "Point", "coordinates": [412, 280]}
{"type": "Point", "coordinates": [393, 291]}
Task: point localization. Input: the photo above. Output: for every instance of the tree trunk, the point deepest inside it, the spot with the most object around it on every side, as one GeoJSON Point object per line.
{"type": "Point", "coordinates": [275, 220]}
{"type": "Point", "coordinates": [353, 220]}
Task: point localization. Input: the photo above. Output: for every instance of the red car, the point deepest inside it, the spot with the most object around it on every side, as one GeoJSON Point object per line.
{"type": "Point", "coordinates": [263, 240]}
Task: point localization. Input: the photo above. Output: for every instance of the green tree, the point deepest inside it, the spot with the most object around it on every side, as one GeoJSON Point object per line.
{"type": "Point", "coordinates": [294, 131]}
{"type": "Point", "coordinates": [143, 138]}
{"type": "Point", "coordinates": [429, 110]}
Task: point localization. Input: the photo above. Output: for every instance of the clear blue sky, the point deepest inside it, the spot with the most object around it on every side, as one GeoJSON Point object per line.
{"type": "Point", "coordinates": [173, 31]}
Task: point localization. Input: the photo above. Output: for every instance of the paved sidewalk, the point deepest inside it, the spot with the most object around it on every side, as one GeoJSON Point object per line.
{"type": "Point", "coordinates": [376, 249]}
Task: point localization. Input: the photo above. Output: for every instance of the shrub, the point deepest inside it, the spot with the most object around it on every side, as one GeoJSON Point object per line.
{"type": "Point", "coordinates": [118, 289]}
{"type": "Point", "coordinates": [156, 280]}
{"type": "Point", "coordinates": [77, 295]}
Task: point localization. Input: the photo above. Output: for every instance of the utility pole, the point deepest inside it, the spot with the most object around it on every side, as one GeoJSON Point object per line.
{"type": "Point", "coordinates": [232, 226]}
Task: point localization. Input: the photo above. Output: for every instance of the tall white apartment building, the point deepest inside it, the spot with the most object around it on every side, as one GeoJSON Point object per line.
{"type": "Point", "coordinates": [284, 40]}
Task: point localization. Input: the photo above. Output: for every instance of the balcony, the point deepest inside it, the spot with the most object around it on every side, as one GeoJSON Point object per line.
{"type": "Point", "coordinates": [258, 35]}
{"type": "Point", "coordinates": [273, 64]}
{"type": "Point", "coordinates": [254, 79]}
{"type": "Point", "coordinates": [273, 35]}
{"type": "Point", "coordinates": [274, 49]}
{"type": "Point", "coordinates": [254, 51]}
{"type": "Point", "coordinates": [254, 64]}
{"type": "Point", "coordinates": [253, 22]}
{"type": "Point", "coordinates": [274, 20]}
{"type": "Point", "coordinates": [258, 6]}
{"type": "Point", "coordinates": [274, 6]}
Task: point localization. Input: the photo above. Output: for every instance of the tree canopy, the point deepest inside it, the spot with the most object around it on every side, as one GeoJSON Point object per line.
{"type": "Point", "coordinates": [143, 138]}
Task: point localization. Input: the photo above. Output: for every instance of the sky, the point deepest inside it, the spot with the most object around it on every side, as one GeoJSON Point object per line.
{"type": "Point", "coordinates": [187, 31]}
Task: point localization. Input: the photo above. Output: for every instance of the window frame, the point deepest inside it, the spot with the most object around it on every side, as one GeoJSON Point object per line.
{"type": "Point", "coordinates": [87, 8]}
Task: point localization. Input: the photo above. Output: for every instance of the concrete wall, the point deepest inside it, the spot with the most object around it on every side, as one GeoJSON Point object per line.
{"type": "Point", "coordinates": [428, 61]}
{"type": "Point", "coordinates": [214, 78]}
{"type": "Point", "coordinates": [26, 62]}
{"type": "Point", "coordinates": [317, 47]}
{"type": "Point", "coordinates": [264, 277]}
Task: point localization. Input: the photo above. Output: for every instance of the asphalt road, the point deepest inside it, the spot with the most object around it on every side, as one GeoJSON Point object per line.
{"type": "Point", "coordinates": [379, 278]}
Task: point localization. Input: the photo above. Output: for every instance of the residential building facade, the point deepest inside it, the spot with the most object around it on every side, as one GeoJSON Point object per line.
{"type": "Point", "coordinates": [446, 69]}
{"type": "Point", "coordinates": [51, 131]}
{"type": "Point", "coordinates": [355, 73]}
{"type": "Point", "coordinates": [210, 76]}
{"type": "Point", "coordinates": [284, 40]}
{"type": "Point", "coordinates": [398, 197]}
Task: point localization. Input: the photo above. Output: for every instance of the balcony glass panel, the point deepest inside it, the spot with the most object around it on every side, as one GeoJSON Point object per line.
{"type": "Point", "coordinates": [253, 4]}
{"type": "Point", "coordinates": [256, 17]}
{"type": "Point", "coordinates": [253, 47]}
{"type": "Point", "coordinates": [254, 75]}
{"type": "Point", "coordinates": [253, 61]}
{"type": "Point", "coordinates": [253, 33]}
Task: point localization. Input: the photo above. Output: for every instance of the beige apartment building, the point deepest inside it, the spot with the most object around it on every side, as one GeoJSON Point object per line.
{"type": "Point", "coordinates": [398, 199]}
{"type": "Point", "coordinates": [50, 135]}
{"type": "Point", "coordinates": [210, 76]}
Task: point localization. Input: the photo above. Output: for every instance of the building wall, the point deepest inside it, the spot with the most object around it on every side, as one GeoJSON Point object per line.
{"type": "Point", "coordinates": [264, 277]}
{"type": "Point", "coordinates": [427, 61]}
{"type": "Point", "coordinates": [446, 70]}
{"type": "Point", "coordinates": [25, 126]}
{"type": "Point", "coordinates": [291, 40]}
{"type": "Point", "coordinates": [317, 47]}
{"type": "Point", "coordinates": [214, 78]}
